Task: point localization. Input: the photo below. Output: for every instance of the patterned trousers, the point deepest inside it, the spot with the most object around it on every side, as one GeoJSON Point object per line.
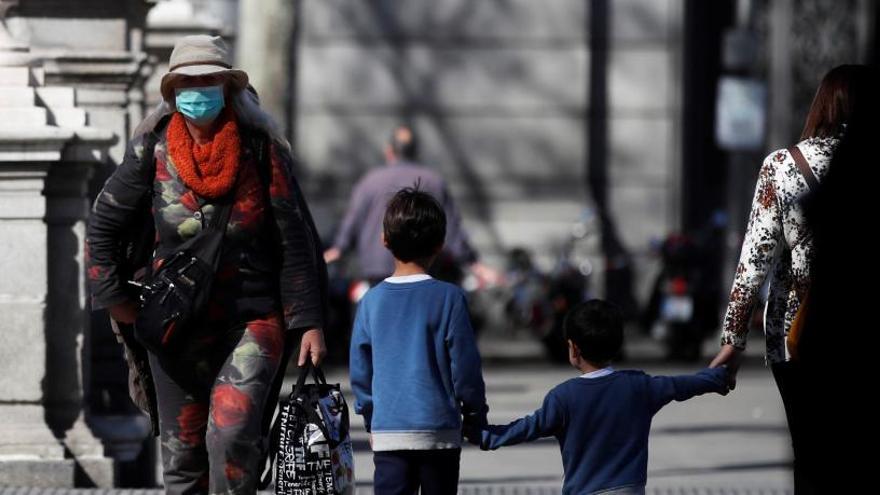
{"type": "Point", "coordinates": [211, 397]}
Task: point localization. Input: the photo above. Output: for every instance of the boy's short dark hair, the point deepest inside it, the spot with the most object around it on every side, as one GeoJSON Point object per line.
{"type": "Point", "coordinates": [414, 225]}
{"type": "Point", "coordinates": [596, 327]}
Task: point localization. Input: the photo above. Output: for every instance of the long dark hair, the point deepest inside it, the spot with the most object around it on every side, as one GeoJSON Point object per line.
{"type": "Point", "coordinates": [839, 93]}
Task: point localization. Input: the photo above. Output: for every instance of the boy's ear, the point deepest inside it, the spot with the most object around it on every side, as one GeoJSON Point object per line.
{"type": "Point", "coordinates": [384, 242]}
{"type": "Point", "coordinates": [573, 350]}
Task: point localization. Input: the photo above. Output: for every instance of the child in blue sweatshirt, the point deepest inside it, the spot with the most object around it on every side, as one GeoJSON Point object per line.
{"type": "Point", "coordinates": [415, 368]}
{"type": "Point", "coordinates": [601, 418]}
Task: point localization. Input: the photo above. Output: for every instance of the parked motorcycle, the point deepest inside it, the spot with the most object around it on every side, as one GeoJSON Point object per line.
{"type": "Point", "coordinates": [539, 301]}
{"type": "Point", "coordinates": [683, 307]}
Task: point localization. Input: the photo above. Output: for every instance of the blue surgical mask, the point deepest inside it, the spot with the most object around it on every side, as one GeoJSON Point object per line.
{"type": "Point", "coordinates": [200, 105]}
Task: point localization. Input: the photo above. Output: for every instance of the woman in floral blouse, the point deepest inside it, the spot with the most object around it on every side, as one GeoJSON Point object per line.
{"type": "Point", "coordinates": [213, 142]}
{"type": "Point", "coordinates": [778, 242]}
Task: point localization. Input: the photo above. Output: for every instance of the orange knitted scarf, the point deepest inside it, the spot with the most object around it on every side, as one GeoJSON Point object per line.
{"type": "Point", "coordinates": [208, 169]}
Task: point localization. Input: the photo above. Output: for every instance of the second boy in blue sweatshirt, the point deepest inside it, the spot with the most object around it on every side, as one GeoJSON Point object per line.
{"type": "Point", "coordinates": [601, 418]}
{"type": "Point", "coordinates": [415, 368]}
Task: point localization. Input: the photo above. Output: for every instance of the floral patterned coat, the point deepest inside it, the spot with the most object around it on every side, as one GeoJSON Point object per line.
{"type": "Point", "coordinates": [777, 243]}
{"type": "Point", "coordinates": [272, 256]}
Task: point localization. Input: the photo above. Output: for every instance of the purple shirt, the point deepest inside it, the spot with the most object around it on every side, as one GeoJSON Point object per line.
{"type": "Point", "coordinates": [362, 224]}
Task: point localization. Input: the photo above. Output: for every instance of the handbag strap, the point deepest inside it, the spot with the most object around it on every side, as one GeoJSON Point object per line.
{"type": "Point", "coordinates": [220, 219]}
{"type": "Point", "coordinates": [804, 167]}
{"type": "Point", "coordinates": [223, 209]}
{"type": "Point", "coordinates": [274, 441]}
{"type": "Point", "coordinates": [317, 375]}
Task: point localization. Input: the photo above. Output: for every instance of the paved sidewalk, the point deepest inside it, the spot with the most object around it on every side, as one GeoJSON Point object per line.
{"type": "Point", "coordinates": [463, 490]}
{"type": "Point", "coordinates": [711, 445]}
{"type": "Point", "coordinates": [734, 445]}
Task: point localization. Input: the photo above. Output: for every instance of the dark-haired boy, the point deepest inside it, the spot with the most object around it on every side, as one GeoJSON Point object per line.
{"type": "Point", "coordinates": [601, 418]}
{"type": "Point", "coordinates": [415, 368]}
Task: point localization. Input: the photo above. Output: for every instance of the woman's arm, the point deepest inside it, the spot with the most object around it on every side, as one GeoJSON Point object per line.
{"type": "Point", "coordinates": [303, 278]}
{"type": "Point", "coordinates": [759, 249]}
{"type": "Point", "coordinates": [122, 202]}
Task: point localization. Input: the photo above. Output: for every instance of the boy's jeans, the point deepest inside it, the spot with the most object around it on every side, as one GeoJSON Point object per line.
{"type": "Point", "coordinates": [403, 472]}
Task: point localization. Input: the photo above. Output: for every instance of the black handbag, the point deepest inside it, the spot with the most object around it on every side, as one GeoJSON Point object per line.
{"type": "Point", "coordinates": [177, 293]}
{"type": "Point", "coordinates": [310, 441]}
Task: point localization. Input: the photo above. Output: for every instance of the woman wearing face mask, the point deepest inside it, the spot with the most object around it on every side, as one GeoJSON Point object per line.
{"type": "Point", "coordinates": [214, 146]}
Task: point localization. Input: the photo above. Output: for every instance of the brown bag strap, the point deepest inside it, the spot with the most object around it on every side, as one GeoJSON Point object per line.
{"type": "Point", "coordinates": [796, 332]}
{"type": "Point", "coordinates": [804, 167]}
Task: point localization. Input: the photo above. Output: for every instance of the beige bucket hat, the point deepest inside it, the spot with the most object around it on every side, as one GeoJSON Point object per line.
{"type": "Point", "coordinates": [200, 55]}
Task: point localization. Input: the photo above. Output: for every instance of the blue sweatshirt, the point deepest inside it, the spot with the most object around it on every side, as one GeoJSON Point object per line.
{"type": "Point", "coordinates": [602, 424]}
{"type": "Point", "coordinates": [415, 367]}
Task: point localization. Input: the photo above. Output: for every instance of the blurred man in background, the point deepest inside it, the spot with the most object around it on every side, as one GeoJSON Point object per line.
{"type": "Point", "coordinates": [362, 224]}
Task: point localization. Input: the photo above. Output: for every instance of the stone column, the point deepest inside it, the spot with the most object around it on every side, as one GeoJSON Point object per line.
{"type": "Point", "coordinates": [99, 66]}
{"type": "Point", "coordinates": [265, 52]}
{"type": "Point", "coordinates": [67, 205]}
{"type": "Point", "coordinates": [30, 454]}
{"type": "Point", "coordinates": [46, 158]}
{"type": "Point", "coordinates": [42, 212]}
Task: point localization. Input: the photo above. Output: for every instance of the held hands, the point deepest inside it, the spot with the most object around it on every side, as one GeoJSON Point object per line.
{"type": "Point", "coordinates": [731, 357]}
{"type": "Point", "coordinates": [472, 427]}
{"type": "Point", "coordinates": [470, 430]}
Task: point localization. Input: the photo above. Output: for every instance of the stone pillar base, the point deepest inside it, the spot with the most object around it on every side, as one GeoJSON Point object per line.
{"type": "Point", "coordinates": [30, 455]}
{"type": "Point", "coordinates": [57, 473]}
{"type": "Point", "coordinates": [93, 469]}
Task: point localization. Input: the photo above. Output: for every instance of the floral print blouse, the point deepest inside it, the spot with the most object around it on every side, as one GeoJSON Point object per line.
{"type": "Point", "coordinates": [777, 243]}
{"type": "Point", "coordinates": [271, 258]}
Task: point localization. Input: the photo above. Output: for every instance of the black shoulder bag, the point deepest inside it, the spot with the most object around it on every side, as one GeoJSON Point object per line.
{"type": "Point", "coordinates": [177, 293]}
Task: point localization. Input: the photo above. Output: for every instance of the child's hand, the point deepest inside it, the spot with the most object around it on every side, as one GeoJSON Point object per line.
{"type": "Point", "coordinates": [727, 383]}
{"type": "Point", "coordinates": [470, 429]}
{"type": "Point", "coordinates": [472, 436]}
